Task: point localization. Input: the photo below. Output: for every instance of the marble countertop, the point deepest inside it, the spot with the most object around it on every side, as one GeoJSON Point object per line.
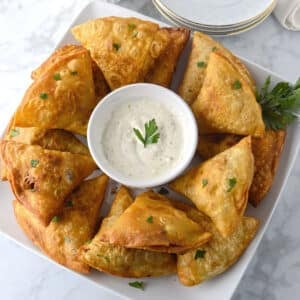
{"type": "Point", "coordinates": [29, 30]}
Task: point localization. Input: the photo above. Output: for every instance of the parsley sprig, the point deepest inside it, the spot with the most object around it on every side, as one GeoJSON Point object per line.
{"type": "Point", "coordinates": [279, 104]}
{"type": "Point", "coordinates": [151, 133]}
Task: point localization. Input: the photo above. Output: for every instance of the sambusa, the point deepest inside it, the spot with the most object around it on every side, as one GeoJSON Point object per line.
{"type": "Point", "coordinates": [42, 179]}
{"type": "Point", "coordinates": [153, 223]}
{"type": "Point", "coordinates": [266, 151]}
{"type": "Point", "coordinates": [69, 230]}
{"type": "Point", "coordinates": [121, 261]}
{"type": "Point", "coordinates": [226, 102]}
{"type": "Point", "coordinates": [202, 46]}
{"type": "Point", "coordinates": [216, 256]}
{"type": "Point", "coordinates": [129, 50]}
{"type": "Point", "coordinates": [62, 94]}
{"type": "Point", "coordinates": [219, 187]}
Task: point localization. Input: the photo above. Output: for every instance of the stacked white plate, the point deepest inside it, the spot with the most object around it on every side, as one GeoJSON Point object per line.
{"type": "Point", "coordinates": [216, 17]}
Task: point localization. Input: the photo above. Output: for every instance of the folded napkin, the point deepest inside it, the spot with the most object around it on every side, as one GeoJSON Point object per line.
{"type": "Point", "coordinates": [287, 12]}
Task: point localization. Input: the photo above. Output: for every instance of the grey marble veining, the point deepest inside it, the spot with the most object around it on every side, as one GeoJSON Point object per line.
{"type": "Point", "coordinates": [29, 30]}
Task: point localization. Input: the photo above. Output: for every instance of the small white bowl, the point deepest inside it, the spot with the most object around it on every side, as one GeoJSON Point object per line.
{"type": "Point", "coordinates": [102, 114]}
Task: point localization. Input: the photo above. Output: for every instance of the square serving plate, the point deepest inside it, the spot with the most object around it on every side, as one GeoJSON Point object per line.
{"type": "Point", "coordinates": [168, 287]}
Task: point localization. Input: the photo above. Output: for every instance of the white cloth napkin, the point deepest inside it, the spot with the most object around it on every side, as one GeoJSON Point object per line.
{"type": "Point", "coordinates": [287, 12]}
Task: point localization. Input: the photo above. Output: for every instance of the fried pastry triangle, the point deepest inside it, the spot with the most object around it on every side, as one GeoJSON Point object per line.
{"type": "Point", "coordinates": [202, 46]}
{"type": "Point", "coordinates": [42, 179]}
{"type": "Point", "coordinates": [164, 67]}
{"type": "Point", "coordinates": [226, 103]}
{"type": "Point", "coordinates": [51, 139]}
{"type": "Point", "coordinates": [219, 187]}
{"type": "Point", "coordinates": [266, 151]}
{"type": "Point", "coordinates": [63, 94]}
{"type": "Point", "coordinates": [125, 49]}
{"type": "Point", "coordinates": [153, 223]}
{"type": "Point", "coordinates": [121, 261]}
{"type": "Point", "coordinates": [67, 232]}
{"type": "Point", "coordinates": [216, 256]}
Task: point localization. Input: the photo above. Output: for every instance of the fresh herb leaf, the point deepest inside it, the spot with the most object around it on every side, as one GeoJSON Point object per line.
{"type": "Point", "coordinates": [236, 85]}
{"type": "Point", "coordinates": [150, 219]}
{"type": "Point", "coordinates": [280, 104]}
{"type": "Point", "coordinates": [88, 241]}
{"type": "Point", "coordinates": [163, 191]}
{"type": "Point", "coordinates": [201, 64]}
{"type": "Point", "coordinates": [68, 239]}
{"type": "Point", "coordinates": [116, 46]}
{"type": "Point", "coordinates": [231, 183]}
{"type": "Point", "coordinates": [73, 73]}
{"type": "Point", "coordinates": [105, 257]}
{"type": "Point", "coordinates": [44, 96]}
{"type": "Point", "coordinates": [14, 132]}
{"type": "Point", "coordinates": [55, 219]}
{"type": "Point", "coordinates": [135, 33]}
{"type": "Point", "coordinates": [56, 77]}
{"type": "Point", "coordinates": [204, 182]}
{"type": "Point", "coordinates": [200, 254]}
{"type": "Point", "coordinates": [137, 284]}
{"type": "Point", "coordinates": [151, 134]}
{"type": "Point", "coordinates": [131, 26]}
{"type": "Point", "coordinates": [34, 163]}
{"type": "Point", "coordinates": [214, 49]}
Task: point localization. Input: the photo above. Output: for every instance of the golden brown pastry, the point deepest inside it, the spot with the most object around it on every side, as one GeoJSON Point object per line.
{"type": "Point", "coordinates": [101, 86]}
{"type": "Point", "coordinates": [164, 67]}
{"type": "Point", "coordinates": [62, 95]}
{"type": "Point", "coordinates": [216, 256]}
{"type": "Point", "coordinates": [266, 151]}
{"type": "Point", "coordinates": [125, 49]}
{"type": "Point", "coordinates": [153, 223]}
{"type": "Point", "coordinates": [51, 139]}
{"type": "Point", "coordinates": [121, 261]}
{"type": "Point", "coordinates": [219, 187]}
{"type": "Point", "coordinates": [210, 145]}
{"type": "Point", "coordinates": [42, 179]}
{"type": "Point", "coordinates": [226, 103]}
{"type": "Point", "coordinates": [202, 47]}
{"type": "Point", "coordinates": [67, 232]}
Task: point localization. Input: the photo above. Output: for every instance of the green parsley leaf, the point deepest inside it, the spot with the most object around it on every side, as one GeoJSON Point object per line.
{"type": "Point", "coordinates": [34, 163]}
{"type": "Point", "coordinates": [56, 77]}
{"type": "Point", "coordinates": [55, 219]}
{"type": "Point", "coordinates": [214, 49]}
{"type": "Point", "coordinates": [201, 64]}
{"type": "Point", "coordinates": [105, 257]}
{"type": "Point", "coordinates": [150, 219]}
{"type": "Point", "coordinates": [231, 183]}
{"type": "Point", "coordinates": [200, 254]}
{"type": "Point", "coordinates": [137, 284]}
{"type": "Point", "coordinates": [116, 46]}
{"type": "Point", "coordinates": [280, 105]}
{"type": "Point", "coordinates": [131, 26]}
{"type": "Point", "coordinates": [151, 134]}
{"type": "Point", "coordinates": [135, 33]}
{"type": "Point", "coordinates": [204, 182]}
{"type": "Point", "coordinates": [236, 85]}
{"type": "Point", "coordinates": [88, 241]}
{"type": "Point", "coordinates": [14, 132]}
{"type": "Point", "coordinates": [73, 73]}
{"type": "Point", "coordinates": [163, 191]}
{"type": "Point", "coordinates": [44, 96]}
{"type": "Point", "coordinates": [68, 239]}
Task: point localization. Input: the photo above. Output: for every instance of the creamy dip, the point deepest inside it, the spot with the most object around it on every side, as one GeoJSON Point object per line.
{"type": "Point", "coordinates": [127, 154]}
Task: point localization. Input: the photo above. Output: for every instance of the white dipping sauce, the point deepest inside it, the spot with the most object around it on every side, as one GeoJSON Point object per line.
{"type": "Point", "coordinates": [127, 154]}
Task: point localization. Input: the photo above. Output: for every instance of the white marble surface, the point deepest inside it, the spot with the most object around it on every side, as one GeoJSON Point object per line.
{"type": "Point", "coordinates": [29, 30]}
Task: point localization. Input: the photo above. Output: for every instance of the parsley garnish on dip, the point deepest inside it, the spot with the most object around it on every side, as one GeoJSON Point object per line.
{"type": "Point", "coordinates": [143, 138]}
